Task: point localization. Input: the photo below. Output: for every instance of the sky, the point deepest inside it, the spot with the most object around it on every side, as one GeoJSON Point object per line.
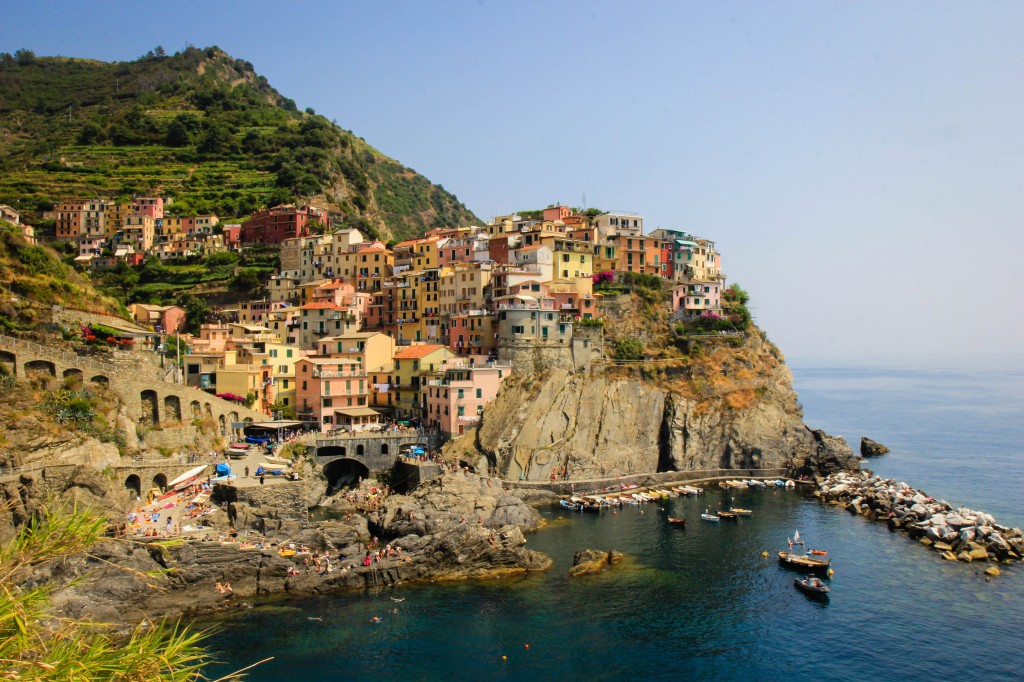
{"type": "Point", "coordinates": [859, 164]}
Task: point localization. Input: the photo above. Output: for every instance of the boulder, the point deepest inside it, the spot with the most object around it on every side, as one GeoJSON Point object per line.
{"type": "Point", "coordinates": [992, 570]}
{"type": "Point", "coordinates": [870, 448]}
{"type": "Point", "coordinates": [949, 556]}
{"type": "Point", "coordinates": [965, 556]}
{"type": "Point", "coordinates": [593, 561]}
{"type": "Point", "coordinates": [943, 547]}
{"type": "Point", "coordinates": [978, 554]}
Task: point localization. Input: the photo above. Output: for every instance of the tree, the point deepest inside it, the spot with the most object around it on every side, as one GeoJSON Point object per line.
{"type": "Point", "coordinates": [34, 645]}
{"type": "Point", "coordinates": [629, 349]}
{"type": "Point", "coordinates": [91, 133]}
{"type": "Point", "coordinates": [24, 57]}
{"type": "Point", "coordinates": [178, 135]}
{"type": "Point", "coordinates": [246, 281]}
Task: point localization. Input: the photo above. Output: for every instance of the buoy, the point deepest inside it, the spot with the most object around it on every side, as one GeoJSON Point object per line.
{"type": "Point", "coordinates": [764, 554]}
{"type": "Point", "coordinates": [831, 573]}
{"type": "Point", "coordinates": [504, 658]}
{"type": "Point", "coordinates": [527, 646]}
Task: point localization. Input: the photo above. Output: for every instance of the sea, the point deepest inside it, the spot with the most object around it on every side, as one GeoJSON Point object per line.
{"type": "Point", "coordinates": [704, 603]}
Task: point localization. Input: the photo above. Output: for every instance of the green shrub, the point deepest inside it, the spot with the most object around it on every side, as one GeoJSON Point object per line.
{"type": "Point", "coordinates": [629, 349]}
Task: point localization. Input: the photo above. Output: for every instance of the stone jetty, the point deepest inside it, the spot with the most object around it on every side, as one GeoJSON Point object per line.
{"type": "Point", "coordinates": [957, 533]}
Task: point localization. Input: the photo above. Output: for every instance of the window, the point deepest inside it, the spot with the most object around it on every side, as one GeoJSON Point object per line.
{"type": "Point", "coordinates": [462, 394]}
{"type": "Point", "coordinates": [479, 393]}
{"type": "Point", "coordinates": [462, 411]}
{"type": "Point", "coordinates": [328, 402]}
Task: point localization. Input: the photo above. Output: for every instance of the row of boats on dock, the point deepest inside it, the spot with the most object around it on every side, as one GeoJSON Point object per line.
{"type": "Point", "coordinates": [625, 496]}
{"type": "Point", "coordinates": [754, 483]}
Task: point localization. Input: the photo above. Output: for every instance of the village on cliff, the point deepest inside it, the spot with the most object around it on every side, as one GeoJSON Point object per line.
{"type": "Point", "coordinates": [351, 334]}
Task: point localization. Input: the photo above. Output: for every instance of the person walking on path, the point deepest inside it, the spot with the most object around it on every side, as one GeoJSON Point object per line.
{"type": "Point", "coordinates": [247, 472]}
{"type": "Point", "coordinates": [261, 479]}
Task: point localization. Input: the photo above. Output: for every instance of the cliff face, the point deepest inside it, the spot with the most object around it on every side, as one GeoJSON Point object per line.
{"type": "Point", "coordinates": [732, 408]}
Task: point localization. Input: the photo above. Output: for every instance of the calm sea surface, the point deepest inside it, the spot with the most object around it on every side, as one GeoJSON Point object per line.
{"type": "Point", "coordinates": [703, 603]}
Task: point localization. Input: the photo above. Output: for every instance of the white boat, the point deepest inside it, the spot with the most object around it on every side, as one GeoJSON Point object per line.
{"type": "Point", "coordinates": [191, 473]}
{"type": "Point", "coordinates": [710, 517]}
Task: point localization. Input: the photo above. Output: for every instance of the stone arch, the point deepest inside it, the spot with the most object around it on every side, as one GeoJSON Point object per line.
{"type": "Point", "coordinates": [344, 472]}
{"type": "Point", "coordinates": [150, 406]}
{"type": "Point", "coordinates": [197, 409]}
{"type": "Point", "coordinates": [133, 484]}
{"type": "Point", "coordinates": [160, 481]}
{"type": "Point", "coordinates": [172, 408]}
{"type": "Point", "coordinates": [74, 374]}
{"type": "Point", "coordinates": [248, 420]}
{"type": "Point", "coordinates": [9, 360]}
{"type": "Point", "coordinates": [232, 417]}
{"type": "Point", "coordinates": [332, 451]}
{"type": "Point", "coordinates": [41, 367]}
{"type": "Point", "coordinates": [207, 411]}
{"type": "Point", "coordinates": [100, 380]}
{"type": "Point", "coordinates": [222, 423]}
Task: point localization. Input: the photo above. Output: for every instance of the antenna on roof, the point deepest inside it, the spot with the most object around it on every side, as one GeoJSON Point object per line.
{"type": "Point", "coordinates": [584, 203]}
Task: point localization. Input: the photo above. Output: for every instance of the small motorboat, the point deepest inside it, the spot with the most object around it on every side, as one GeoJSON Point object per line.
{"type": "Point", "coordinates": [742, 512]}
{"type": "Point", "coordinates": [818, 552]}
{"type": "Point", "coordinates": [804, 563]}
{"type": "Point", "coordinates": [569, 504]}
{"type": "Point", "coordinates": [812, 587]}
{"type": "Point", "coordinates": [728, 515]}
{"type": "Point", "coordinates": [709, 517]}
{"type": "Point", "coordinates": [678, 523]}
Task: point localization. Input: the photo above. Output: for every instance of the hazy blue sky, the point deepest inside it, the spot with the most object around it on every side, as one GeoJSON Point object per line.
{"type": "Point", "coordinates": [860, 164]}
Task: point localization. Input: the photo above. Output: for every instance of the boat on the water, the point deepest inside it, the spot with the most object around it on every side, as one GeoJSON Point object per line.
{"type": "Point", "coordinates": [817, 552]}
{"type": "Point", "coordinates": [709, 517]}
{"type": "Point", "coordinates": [802, 562]}
{"type": "Point", "coordinates": [678, 523]}
{"type": "Point", "coordinates": [728, 515]}
{"type": "Point", "coordinates": [812, 587]}
{"type": "Point", "coordinates": [569, 504]}
{"type": "Point", "coordinates": [742, 512]}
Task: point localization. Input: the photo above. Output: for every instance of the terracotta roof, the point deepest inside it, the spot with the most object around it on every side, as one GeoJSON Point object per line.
{"type": "Point", "coordinates": [320, 305]}
{"type": "Point", "coordinates": [417, 352]}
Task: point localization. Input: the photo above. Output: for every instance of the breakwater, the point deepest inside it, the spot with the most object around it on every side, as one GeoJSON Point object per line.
{"type": "Point", "coordinates": [957, 533]}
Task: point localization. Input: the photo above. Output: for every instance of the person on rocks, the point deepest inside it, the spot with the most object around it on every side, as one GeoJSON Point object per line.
{"type": "Point", "coordinates": [262, 478]}
{"type": "Point", "coordinates": [247, 472]}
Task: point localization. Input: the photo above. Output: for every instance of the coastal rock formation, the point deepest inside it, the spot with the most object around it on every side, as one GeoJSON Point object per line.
{"type": "Point", "coordinates": [964, 534]}
{"type": "Point", "coordinates": [457, 526]}
{"type": "Point", "coordinates": [870, 448]}
{"type": "Point", "coordinates": [734, 410]}
{"type": "Point", "coordinates": [593, 561]}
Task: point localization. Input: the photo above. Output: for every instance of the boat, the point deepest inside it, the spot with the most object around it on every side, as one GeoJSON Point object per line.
{"type": "Point", "coordinates": [569, 504]}
{"type": "Point", "coordinates": [286, 552]}
{"type": "Point", "coordinates": [279, 461]}
{"type": "Point", "coordinates": [236, 453]}
{"type": "Point", "coordinates": [240, 446]}
{"type": "Point", "coordinates": [804, 563]}
{"type": "Point", "coordinates": [742, 512]}
{"type": "Point", "coordinates": [817, 552]}
{"type": "Point", "coordinates": [728, 515]}
{"type": "Point", "coordinates": [709, 517]}
{"type": "Point", "coordinates": [812, 587]}
{"type": "Point", "coordinates": [678, 523]}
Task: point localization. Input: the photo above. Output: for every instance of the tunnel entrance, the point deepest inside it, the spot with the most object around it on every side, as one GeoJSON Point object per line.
{"type": "Point", "coordinates": [344, 473]}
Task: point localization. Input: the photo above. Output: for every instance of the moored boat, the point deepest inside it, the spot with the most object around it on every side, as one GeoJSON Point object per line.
{"type": "Point", "coordinates": [709, 517]}
{"type": "Point", "coordinates": [742, 512]}
{"type": "Point", "coordinates": [678, 523]}
{"type": "Point", "coordinates": [804, 563]}
{"type": "Point", "coordinates": [812, 587]}
{"type": "Point", "coordinates": [727, 515]}
{"type": "Point", "coordinates": [569, 504]}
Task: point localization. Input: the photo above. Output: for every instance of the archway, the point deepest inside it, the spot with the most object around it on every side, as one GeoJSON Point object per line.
{"type": "Point", "coordinates": [359, 450]}
{"type": "Point", "coordinates": [150, 406]}
{"type": "Point", "coordinates": [40, 367]}
{"type": "Point", "coordinates": [232, 417]}
{"type": "Point", "coordinates": [100, 380]}
{"type": "Point", "coordinates": [222, 423]}
{"type": "Point", "coordinates": [208, 411]}
{"type": "Point", "coordinates": [134, 484]}
{"type": "Point", "coordinates": [172, 408]}
{"type": "Point", "coordinates": [384, 449]}
{"type": "Point", "coordinates": [343, 473]}
{"type": "Point", "coordinates": [160, 481]}
{"type": "Point", "coordinates": [10, 361]}
{"type": "Point", "coordinates": [332, 451]}
{"type": "Point", "coordinates": [74, 376]}
{"type": "Point", "coordinates": [197, 409]}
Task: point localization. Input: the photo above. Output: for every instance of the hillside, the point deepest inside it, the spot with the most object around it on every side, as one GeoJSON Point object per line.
{"type": "Point", "coordinates": [38, 278]}
{"type": "Point", "coordinates": [200, 128]}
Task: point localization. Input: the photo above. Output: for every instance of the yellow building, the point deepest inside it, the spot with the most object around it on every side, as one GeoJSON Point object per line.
{"type": "Point", "coordinates": [413, 365]}
{"type": "Point", "coordinates": [282, 358]}
{"type": "Point", "coordinates": [572, 259]}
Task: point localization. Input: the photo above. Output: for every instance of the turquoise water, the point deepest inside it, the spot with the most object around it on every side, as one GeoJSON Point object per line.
{"type": "Point", "coordinates": [702, 603]}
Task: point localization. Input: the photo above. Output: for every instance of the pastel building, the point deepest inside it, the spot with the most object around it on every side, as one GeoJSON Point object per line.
{"type": "Point", "coordinates": [335, 392]}
{"type": "Point", "coordinates": [455, 401]}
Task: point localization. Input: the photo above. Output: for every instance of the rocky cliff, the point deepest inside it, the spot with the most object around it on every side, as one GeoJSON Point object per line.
{"type": "Point", "coordinates": [732, 407]}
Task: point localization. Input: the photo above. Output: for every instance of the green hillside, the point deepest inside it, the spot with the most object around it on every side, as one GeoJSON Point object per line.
{"type": "Point", "coordinates": [201, 128]}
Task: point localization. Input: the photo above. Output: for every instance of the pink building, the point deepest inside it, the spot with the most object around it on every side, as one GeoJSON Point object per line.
{"type": "Point", "coordinates": [335, 392]}
{"type": "Point", "coordinates": [557, 213]}
{"type": "Point", "coordinates": [456, 401]}
{"type": "Point", "coordinates": [151, 206]}
{"type": "Point", "coordinates": [698, 298]}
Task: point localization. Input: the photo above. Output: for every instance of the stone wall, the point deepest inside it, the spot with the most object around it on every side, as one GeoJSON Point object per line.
{"type": "Point", "coordinates": [72, 318]}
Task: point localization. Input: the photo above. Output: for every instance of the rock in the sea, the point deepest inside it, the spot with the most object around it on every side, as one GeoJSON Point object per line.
{"type": "Point", "coordinates": [992, 571]}
{"type": "Point", "coordinates": [870, 448]}
{"type": "Point", "coordinates": [593, 561]}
